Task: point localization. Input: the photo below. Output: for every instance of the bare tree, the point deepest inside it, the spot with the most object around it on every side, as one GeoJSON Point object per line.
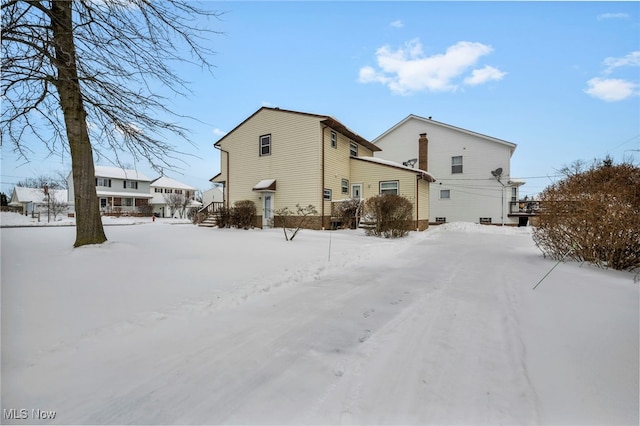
{"type": "Point", "coordinates": [53, 182]}
{"type": "Point", "coordinates": [79, 77]}
{"type": "Point", "coordinates": [55, 206]}
{"type": "Point", "coordinates": [174, 202]}
{"type": "Point", "coordinates": [293, 223]}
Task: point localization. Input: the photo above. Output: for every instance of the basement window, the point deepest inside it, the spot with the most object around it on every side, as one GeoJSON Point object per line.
{"type": "Point", "coordinates": [445, 194]}
{"type": "Point", "coordinates": [441, 220]}
{"type": "Point", "coordinates": [485, 221]}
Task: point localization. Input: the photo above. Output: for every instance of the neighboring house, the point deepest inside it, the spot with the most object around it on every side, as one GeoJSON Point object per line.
{"type": "Point", "coordinates": [473, 170]}
{"type": "Point", "coordinates": [172, 198]}
{"type": "Point", "coordinates": [120, 191]}
{"type": "Point", "coordinates": [280, 158]}
{"type": "Point", "coordinates": [213, 195]}
{"type": "Point", "coordinates": [34, 200]}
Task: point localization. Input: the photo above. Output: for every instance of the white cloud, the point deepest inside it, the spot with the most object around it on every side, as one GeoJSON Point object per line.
{"type": "Point", "coordinates": [397, 24]}
{"type": "Point", "coordinates": [612, 16]}
{"type": "Point", "coordinates": [483, 75]}
{"type": "Point", "coordinates": [407, 69]}
{"type": "Point", "coordinates": [632, 60]}
{"type": "Point", "coordinates": [611, 89]}
{"type": "Point", "coordinates": [219, 132]}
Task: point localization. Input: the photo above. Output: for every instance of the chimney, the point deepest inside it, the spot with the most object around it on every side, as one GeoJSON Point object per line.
{"type": "Point", "coordinates": [423, 152]}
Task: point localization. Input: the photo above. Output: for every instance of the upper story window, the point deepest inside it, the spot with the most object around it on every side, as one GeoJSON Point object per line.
{"type": "Point", "coordinates": [103, 182]}
{"type": "Point", "coordinates": [158, 190]}
{"type": "Point", "coordinates": [327, 194]}
{"type": "Point", "coordinates": [456, 164]}
{"type": "Point", "coordinates": [389, 187]}
{"type": "Point", "coordinates": [130, 184]}
{"type": "Point", "coordinates": [445, 194]}
{"type": "Point", "coordinates": [178, 191]}
{"type": "Point", "coordinates": [353, 149]}
{"type": "Point", "coordinates": [168, 191]}
{"type": "Point", "coordinates": [514, 194]}
{"type": "Point", "coordinates": [265, 145]}
{"type": "Point", "coordinates": [334, 139]}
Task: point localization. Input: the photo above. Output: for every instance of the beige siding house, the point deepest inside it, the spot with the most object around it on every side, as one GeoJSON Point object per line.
{"type": "Point", "coordinates": [279, 158]}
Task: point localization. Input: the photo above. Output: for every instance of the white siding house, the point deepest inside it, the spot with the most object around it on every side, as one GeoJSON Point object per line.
{"type": "Point", "coordinates": [172, 198]}
{"type": "Point", "coordinates": [34, 200]}
{"type": "Point", "coordinates": [120, 191]}
{"type": "Point", "coordinates": [473, 171]}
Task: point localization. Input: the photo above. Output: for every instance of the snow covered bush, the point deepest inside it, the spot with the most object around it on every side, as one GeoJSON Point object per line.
{"type": "Point", "coordinates": [592, 215]}
{"type": "Point", "coordinates": [390, 215]}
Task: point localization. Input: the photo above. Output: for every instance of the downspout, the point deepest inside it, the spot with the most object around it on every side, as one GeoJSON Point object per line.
{"type": "Point", "coordinates": [417, 203]}
{"type": "Point", "coordinates": [322, 181]}
{"type": "Point", "coordinates": [226, 186]}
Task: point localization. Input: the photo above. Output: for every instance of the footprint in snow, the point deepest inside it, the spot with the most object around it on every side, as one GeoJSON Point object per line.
{"type": "Point", "coordinates": [365, 335]}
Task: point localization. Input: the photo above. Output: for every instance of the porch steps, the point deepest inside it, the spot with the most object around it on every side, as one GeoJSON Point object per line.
{"type": "Point", "coordinates": [209, 222]}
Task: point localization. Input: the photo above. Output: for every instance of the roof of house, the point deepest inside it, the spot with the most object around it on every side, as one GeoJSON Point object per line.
{"type": "Point", "coordinates": [120, 173]}
{"type": "Point", "coordinates": [167, 182]}
{"type": "Point", "coordinates": [448, 126]}
{"type": "Point", "coordinates": [423, 173]}
{"type": "Point", "coordinates": [29, 195]}
{"type": "Point", "coordinates": [325, 119]}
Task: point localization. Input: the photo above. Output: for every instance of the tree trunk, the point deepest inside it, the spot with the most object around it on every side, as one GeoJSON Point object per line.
{"type": "Point", "coordinates": [88, 222]}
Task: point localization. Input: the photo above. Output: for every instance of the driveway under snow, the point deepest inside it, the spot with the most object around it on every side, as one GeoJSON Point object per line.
{"type": "Point", "coordinates": [186, 325]}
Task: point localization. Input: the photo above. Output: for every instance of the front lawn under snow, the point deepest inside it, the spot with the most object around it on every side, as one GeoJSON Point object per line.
{"type": "Point", "coordinates": [187, 325]}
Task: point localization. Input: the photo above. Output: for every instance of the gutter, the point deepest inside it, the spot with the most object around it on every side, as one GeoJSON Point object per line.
{"type": "Point", "coordinates": [322, 180]}
{"type": "Point", "coordinates": [226, 185]}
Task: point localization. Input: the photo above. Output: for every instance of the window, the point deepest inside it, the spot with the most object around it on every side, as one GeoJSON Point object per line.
{"type": "Point", "coordinates": [265, 145]}
{"type": "Point", "coordinates": [103, 182]}
{"type": "Point", "coordinates": [168, 191]}
{"type": "Point", "coordinates": [514, 194]}
{"type": "Point", "coordinates": [158, 190]}
{"type": "Point", "coordinates": [353, 149]}
{"type": "Point", "coordinates": [344, 186]}
{"type": "Point", "coordinates": [178, 191]}
{"type": "Point", "coordinates": [334, 139]}
{"type": "Point", "coordinates": [130, 184]}
{"type": "Point", "coordinates": [456, 164]}
{"type": "Point", "coordinates": [389, 187]}
{"type": "Point", "coordinates": [327, 194]}
{"type": "Point", "coordinates": [441, 220]}
{"type": "Point", "coordinates": [127, 202]}
{"type": "Point", "coordinates": [445, 194]}
{"type": "Point", "coordinates": [485, 221]}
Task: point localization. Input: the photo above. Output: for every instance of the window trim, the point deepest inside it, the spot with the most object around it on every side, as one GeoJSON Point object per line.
{"type": "Point", "coordinates": [397, 187]}
{"type": "Point", "coordinates": [334, 139]}
{"type": "Point", "coordinates": [262, 145]}
{"type": "Point", "coordinates": [454, 165]}
{"type": "Point", "coordinates": [353, 149]}
{"type": "Point", "coordinates": [344, 186]}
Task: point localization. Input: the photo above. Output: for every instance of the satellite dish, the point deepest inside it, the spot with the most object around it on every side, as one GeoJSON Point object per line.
{"type": "Point", "coordinates": [497, 172]}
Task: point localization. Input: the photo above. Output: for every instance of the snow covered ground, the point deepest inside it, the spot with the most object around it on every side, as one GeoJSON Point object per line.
{"type": "Point", "coordinates": [187, 325]}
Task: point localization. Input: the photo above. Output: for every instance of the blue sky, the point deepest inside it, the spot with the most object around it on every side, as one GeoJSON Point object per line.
{"type": "Point", "coordinates": [561, 80]}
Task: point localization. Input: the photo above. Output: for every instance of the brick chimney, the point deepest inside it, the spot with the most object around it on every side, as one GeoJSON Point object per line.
{"type": "Point", "coordinates": [423, 152]}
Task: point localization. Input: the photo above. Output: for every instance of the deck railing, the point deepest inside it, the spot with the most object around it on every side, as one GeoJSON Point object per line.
{"type": "Point", "coordinates": [524, 208]}
{"type": "Point", "coordinates": [212, 207]}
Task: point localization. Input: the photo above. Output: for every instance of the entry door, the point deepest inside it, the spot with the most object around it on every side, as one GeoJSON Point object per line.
{"type": "Point", "coordinates": [267, 209]}
{"type": "Point", "coordinates": [356, 190]}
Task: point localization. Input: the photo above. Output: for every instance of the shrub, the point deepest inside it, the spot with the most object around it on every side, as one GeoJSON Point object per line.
{"type": "Point", "coordinates": [348, 212]}
{"type": "Point", "coordinates": [390, 214]}
{"type": "Point", "coordinates": [593, 216]}
{"type": "Point", "coordinates": [243, 214]}
{"type": "Point", "coordinates": [292, 223]}
{"type": "Point", "coordinates": [223, 217]}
